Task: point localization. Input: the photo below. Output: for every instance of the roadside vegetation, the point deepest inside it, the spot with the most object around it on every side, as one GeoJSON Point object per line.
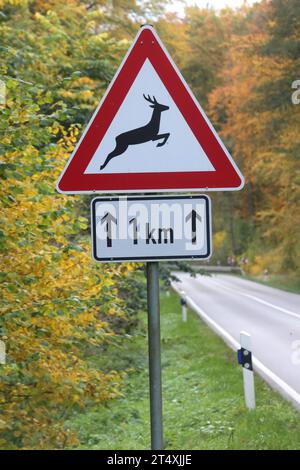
{"type": "Point", "coordinates": [289, 283]}
{"type": "Point", "coordinates": [202, 390]}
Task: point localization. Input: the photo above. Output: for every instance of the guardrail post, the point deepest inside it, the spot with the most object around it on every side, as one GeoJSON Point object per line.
{"type": "Point", "coordinates": [2, 352]}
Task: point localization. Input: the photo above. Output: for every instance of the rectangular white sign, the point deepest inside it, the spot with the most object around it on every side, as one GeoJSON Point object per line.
{"type": "Point", "coordinates": [151, 228]}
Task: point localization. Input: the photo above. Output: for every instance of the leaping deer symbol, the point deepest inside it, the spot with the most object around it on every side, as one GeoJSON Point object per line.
{"type": "Point", "coordinates": [142, 134]}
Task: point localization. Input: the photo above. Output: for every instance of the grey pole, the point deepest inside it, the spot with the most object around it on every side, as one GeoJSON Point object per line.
{"type": "Point", "coordinates": [154, 356]}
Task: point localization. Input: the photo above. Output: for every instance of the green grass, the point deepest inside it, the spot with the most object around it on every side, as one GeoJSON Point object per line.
{"type": "Point", "coordinates": [280, 281]}
{"type": "Point", "coordinates": [202, 392]}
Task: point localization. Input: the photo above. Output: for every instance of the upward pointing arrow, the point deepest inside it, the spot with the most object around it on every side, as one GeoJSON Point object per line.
{"type": "Point", "coordinates": [109, 219]}
{"type": "Point", "coordinates": [135, 230]}
{"type": "Point", "coordinates": [193, 216]}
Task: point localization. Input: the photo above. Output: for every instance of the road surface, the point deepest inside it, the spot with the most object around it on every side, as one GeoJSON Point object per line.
{"type": "Point", "coordinates": [271, 316]}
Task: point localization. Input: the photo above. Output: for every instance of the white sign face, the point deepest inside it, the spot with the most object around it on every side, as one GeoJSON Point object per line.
{"type": "Point", "coordinates": [149, 134]}
{"type": "Point", "coordinates": [151, 228]}
{"type": "Point", "coordinates": [166, 154]}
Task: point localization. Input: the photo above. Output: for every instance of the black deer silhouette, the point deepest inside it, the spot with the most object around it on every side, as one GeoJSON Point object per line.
{"type": "Point", "coordinates": [142, 134]}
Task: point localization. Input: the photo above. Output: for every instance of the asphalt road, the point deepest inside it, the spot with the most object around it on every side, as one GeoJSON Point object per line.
{"type": "Point", "coordinates": [271, 316]}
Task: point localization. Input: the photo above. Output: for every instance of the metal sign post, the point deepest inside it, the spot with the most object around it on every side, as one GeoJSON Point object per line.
{"type": "Point", "coordinates": [154, 355]}
{"type": "Point", "coordinates": [185, 154]}
{"type": "Point", "coordinates": [151, 228]}
{"type": "Point", "coordinates": [183, 304]}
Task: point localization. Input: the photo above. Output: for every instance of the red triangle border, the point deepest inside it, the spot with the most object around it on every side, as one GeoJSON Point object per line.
{"type": "Point", "coordinates": [148, 46]}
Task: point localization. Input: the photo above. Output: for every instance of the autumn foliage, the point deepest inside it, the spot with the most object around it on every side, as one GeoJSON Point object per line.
{"type": "Point", "coordinates": [57, 303]}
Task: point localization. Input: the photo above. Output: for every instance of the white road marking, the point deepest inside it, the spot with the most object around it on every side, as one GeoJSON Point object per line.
{"type": "Point", "coordinates": [258, 299]}
{"type": "Point", "coordinates": [265, 372]}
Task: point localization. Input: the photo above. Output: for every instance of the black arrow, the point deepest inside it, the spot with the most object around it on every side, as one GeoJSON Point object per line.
{"type": "Point", "coordinates": [193, 216]}
{"type": "Point", "coordinates": [109, 219]}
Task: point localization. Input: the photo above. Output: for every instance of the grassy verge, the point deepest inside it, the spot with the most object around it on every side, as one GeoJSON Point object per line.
{"type": "Point", "coordinates": [202, 391]}
{"type": "Point", "coordinates": [280, 281]}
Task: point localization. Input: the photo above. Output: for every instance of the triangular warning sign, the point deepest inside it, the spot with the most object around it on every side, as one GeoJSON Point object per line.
{"type": "Point", "coordinates": [148, 133]}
